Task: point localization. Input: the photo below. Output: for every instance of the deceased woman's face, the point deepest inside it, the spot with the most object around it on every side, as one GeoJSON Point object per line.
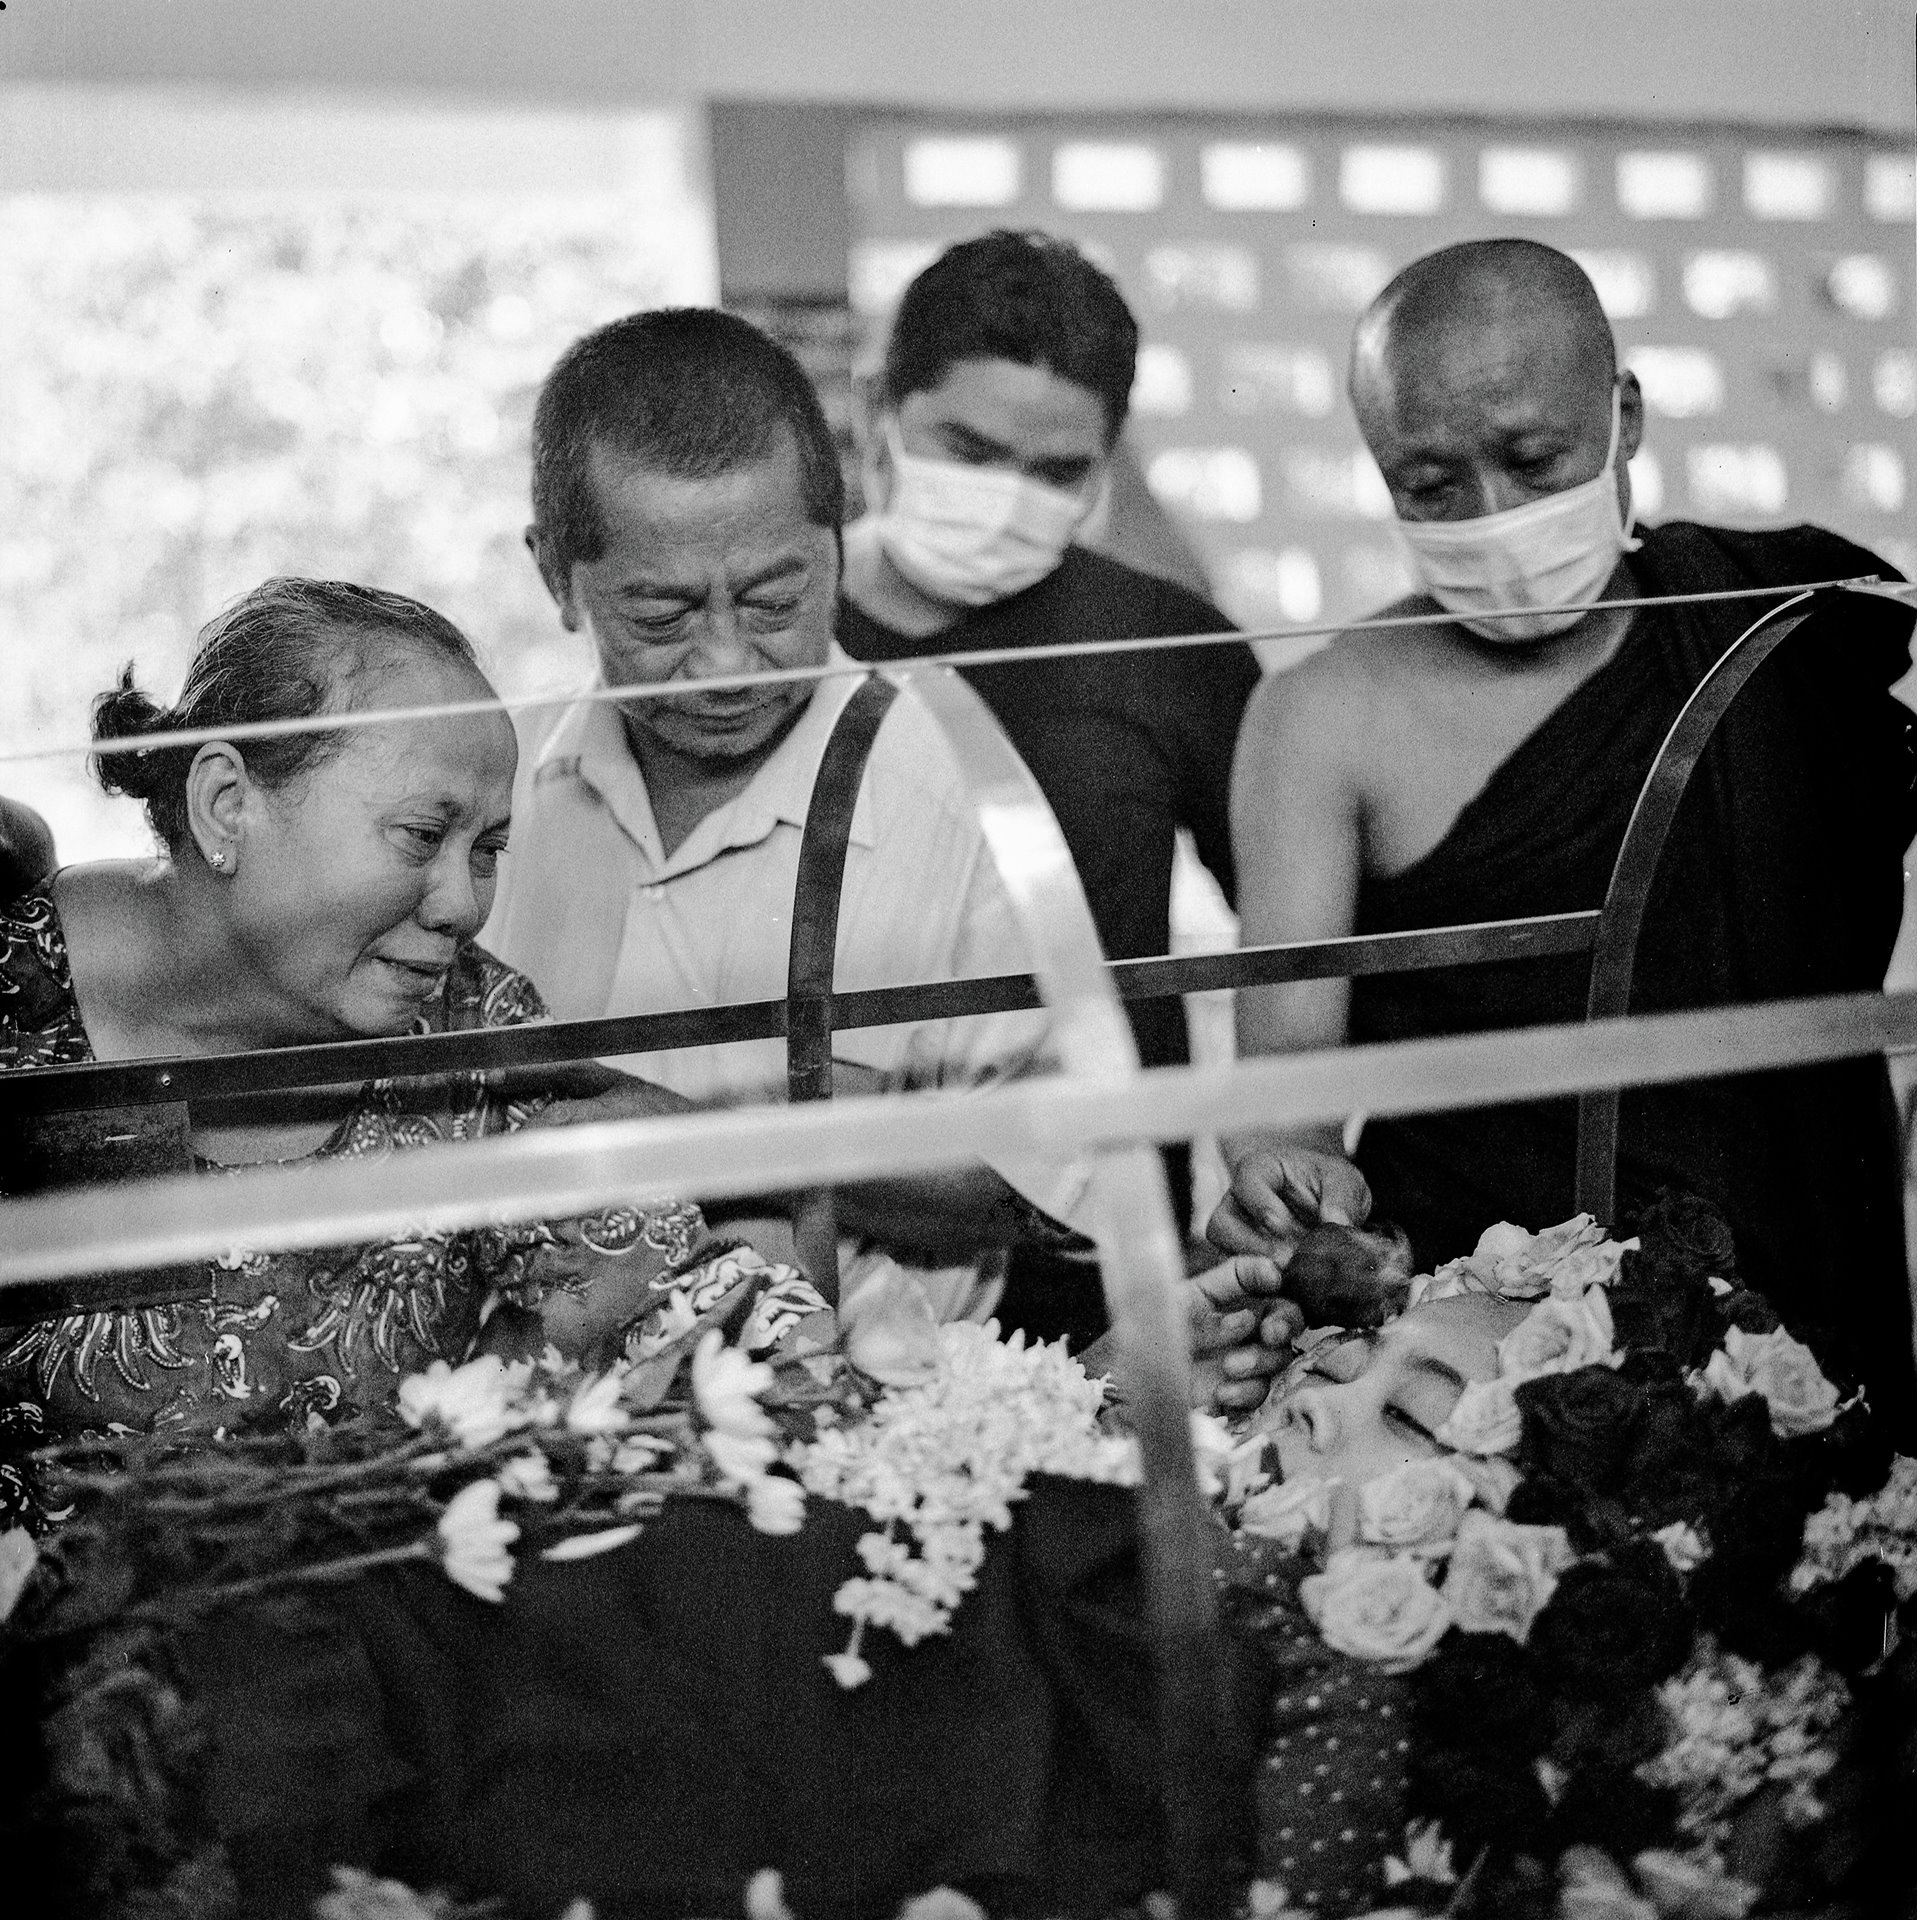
{"type": "Point", "coordinates": [360, 879]}
{"type": "Point", "coordinates": [1355, 1408]}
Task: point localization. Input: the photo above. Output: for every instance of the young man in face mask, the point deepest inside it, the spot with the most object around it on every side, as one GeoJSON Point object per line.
{"type": "Point", "coordinates": [987, 441]}
{"type": "Point", "coordinates": [1472, 768]}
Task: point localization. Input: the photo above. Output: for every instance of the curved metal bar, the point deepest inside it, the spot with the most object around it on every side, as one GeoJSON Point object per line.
{"type": "Point", "coordinates": [1143, 1267]}
{"type": "Point", "coordinates": [543, 1173]}
{"type": "Point", "coordinates": [1614, 955]}
{"type": "Point", "coordinates": [187, 1077]}
{"type": "Point", "coordinates": [813, 955]}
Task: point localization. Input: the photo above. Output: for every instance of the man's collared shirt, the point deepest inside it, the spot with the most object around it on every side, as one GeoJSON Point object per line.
{"type": "Point", "coordinates": [605, 921]}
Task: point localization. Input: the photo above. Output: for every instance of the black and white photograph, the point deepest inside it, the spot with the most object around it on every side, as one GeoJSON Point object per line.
{"type": "Point", "coordinates": [957, 959]}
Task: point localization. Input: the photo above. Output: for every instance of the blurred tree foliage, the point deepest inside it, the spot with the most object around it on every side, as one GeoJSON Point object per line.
{"type": "Point", "coordinates": [197, 394]}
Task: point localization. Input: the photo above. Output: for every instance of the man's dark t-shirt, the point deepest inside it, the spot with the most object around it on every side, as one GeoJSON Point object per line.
{"type": "Point", "coordinates": [1127, 747]}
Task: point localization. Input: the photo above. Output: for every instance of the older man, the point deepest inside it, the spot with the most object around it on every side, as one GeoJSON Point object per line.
{"type": "Point", "coordinates": [687, 502]}
{"type": "Point", "coordinates": [1476, 768]}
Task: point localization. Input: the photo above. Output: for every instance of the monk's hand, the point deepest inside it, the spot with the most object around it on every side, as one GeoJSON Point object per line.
{"type": "Point", "coordinates": [1278, 1190]}
{"type": "Point", "coordinates": [1241, 1332]}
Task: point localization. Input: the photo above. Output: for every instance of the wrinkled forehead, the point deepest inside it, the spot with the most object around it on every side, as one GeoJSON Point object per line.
{"type": "Point", "coordinates": [1493, 359]}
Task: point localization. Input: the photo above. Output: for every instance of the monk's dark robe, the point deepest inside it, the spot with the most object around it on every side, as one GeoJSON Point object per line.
{"type": "Point", "coordinates": [1782, 877]}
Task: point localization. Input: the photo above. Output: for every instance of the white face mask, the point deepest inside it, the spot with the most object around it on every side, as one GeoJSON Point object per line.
{"type": "Point", "coordinates": [1550, 552]}
{"type": "Point", "coordinates": [971, 535]}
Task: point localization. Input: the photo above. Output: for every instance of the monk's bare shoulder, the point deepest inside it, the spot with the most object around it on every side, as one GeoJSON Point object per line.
{"type": "Point", "coordinates": [1322, 718]}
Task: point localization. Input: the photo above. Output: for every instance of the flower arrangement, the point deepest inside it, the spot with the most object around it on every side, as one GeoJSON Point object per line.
{"type": "Point", "coordinates": [941, 1462]}
{"type": "Point", "coordinates": [1634, 1649]}
{"type": "Point", "coordinates": [474, 1460]}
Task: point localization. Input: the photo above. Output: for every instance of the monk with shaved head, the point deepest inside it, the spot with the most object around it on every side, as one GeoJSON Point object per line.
{"type": "Point", "coordinates": [1481, 763]}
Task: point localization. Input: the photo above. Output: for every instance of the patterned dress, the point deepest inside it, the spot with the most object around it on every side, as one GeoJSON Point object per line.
{"type": "Point", "coordinates": [283, 1337]}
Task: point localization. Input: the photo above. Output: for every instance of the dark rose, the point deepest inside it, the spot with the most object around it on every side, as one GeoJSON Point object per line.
{"type": "Point", "coordinates": [1669, 1472]}
{"type": "Point", "coordinates": [1660, 1306]}
{"type": "Point", "coordinates": [1616, 1811]}
{"type": "Point", "coordinates": [1748, 1310]}
{"type": "Point", "coordinates": [1682, 1227]}
{"type": "Point", "coordinates": [1578, 1426]}
{"type": "Point", "coordinates": [1616, 1623]}
{"type": "Point", "coordinates": [1483, 1798]}
{"type": "Point", "coordinates": [1592, 1520]}
{"type": "Point", "coordinates": [1844, 1620]}
{"type": "Point", "coordinates": [1851, 1456]}
{"type": "Point", "coordinates": [1481, 1690]}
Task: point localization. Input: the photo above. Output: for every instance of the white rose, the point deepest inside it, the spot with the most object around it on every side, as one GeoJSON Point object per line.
{"type": "Point", "coordinates": [1494, 1477]}
{"type": "Point", "coordinates": [1784, 1371]}
{"type": "Point", "coordinates": [1501, 1574]}
{"type": "Point", "coordinates": [1501, 1256]}
{"type": "Point", "coordinates": [1289, 1512]}
{"type": "Point", "coordinates": [1484, 1421]}
{"type": "Point", "coordinates": [1376, 1607]}
{"type": "Point", "coordinates": [1558, 1336]}
{"type": "Point", "coordinates": [1572, 1273]}
{"type": "Point", "coordinates": [1416, 1505]}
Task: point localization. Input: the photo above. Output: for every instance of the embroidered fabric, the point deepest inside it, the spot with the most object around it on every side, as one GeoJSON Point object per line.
{"type": "Point", "coordinates": [285, 1337]}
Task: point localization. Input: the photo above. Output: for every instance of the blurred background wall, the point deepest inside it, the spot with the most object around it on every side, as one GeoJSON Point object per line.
{"type": "Point", "coordinates": [278, 280]}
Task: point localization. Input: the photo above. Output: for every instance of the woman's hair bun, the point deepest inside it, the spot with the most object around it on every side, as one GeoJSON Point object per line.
{"type": "Point", "coordinates": [125, 713]}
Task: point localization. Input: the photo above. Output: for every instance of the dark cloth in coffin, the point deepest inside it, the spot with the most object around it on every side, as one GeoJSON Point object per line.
{"type": "Point", "coordinates": [650, 1727]}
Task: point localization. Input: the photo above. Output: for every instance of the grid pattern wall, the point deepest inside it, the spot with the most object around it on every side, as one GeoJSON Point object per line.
{"type": "Point", "coordinates": [1760, 285]}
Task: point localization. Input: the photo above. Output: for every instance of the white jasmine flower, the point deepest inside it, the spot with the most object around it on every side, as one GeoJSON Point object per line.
{"type": "Point", "coordinates": [528, 1476]}
{"type": "Point", "coordinates": [775, 1504]}
{"type": "Point", "coordinates": [475, 1543]}
{"type": "Point", "coordinates": [473, 1404]}
{"type": "Point", "coordinates": [594, 1407]}
{"type": "Point", "coordinates": [726, 1386]}
{"type": "Point", "coordinates": [18, 1558]}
